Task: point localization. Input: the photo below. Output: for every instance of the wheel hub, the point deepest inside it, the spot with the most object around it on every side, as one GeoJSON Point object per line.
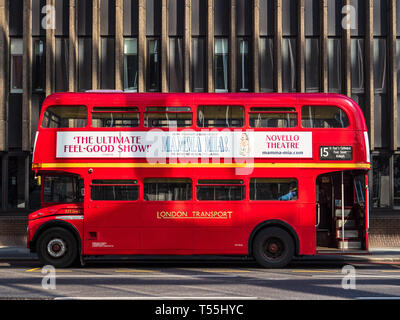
{"type": "Point", "coordinates": [56, 248]}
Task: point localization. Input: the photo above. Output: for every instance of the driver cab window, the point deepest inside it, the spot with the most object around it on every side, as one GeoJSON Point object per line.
{"type": "Point", "coordinates": [63, 189]}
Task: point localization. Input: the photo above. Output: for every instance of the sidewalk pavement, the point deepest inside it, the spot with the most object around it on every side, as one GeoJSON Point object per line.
{"type": "Point", "coordinates": [375, 255]}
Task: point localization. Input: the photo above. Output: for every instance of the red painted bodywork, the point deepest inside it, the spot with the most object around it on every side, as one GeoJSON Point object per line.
{"type": "Point", "coordinates": [122, 227]}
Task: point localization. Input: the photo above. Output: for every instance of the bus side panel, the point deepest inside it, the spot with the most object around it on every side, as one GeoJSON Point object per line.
{"type": "Point", "coordinates": [306, 229]}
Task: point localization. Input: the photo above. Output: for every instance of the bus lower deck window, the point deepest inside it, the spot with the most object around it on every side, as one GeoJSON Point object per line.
{"type": "Point", "coordinates": [220, 190]}
{"type": "Point", "coordinates": [273, 189]}
{"type": "Point", "coordinates": [114, 190]}
{"type": "Point", "coordinates": [167, 189]}
{"type": "Point", "coordinates": [62, 189]}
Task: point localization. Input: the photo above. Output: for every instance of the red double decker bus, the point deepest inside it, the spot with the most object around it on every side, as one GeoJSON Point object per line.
{"type": "Point", "coordinates": [269, 176]}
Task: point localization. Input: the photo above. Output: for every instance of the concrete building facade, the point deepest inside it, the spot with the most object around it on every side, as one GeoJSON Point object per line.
{"type": "Point", "coordinates": [343, 46]}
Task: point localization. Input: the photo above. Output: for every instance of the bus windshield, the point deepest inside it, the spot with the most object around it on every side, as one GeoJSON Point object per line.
{"type": "Point", "coordinates": [62, 189]}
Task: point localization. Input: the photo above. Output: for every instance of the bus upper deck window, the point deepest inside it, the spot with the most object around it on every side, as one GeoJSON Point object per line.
{"type": "Point", "coordinates": [272, 117]}
{"type": "Point", "coordinates": [168, 117]}
{"type": "Point", "coordinates": [115, 117]}
{"type": "Point", "coordinates": [65, 117]}
{"type": "Point", "coordinates": [323, 117]}
{"type": "Point", "coordinates": [220, 116]}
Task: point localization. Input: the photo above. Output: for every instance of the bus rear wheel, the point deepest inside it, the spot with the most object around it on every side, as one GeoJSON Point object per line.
{"type": "Point", "coordinates": [57, 247]}
{"type": "Point", "coordinates": [273, 247]}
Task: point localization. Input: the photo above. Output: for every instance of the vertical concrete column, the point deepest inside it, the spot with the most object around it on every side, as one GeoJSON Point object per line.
{"type": "Point", "coordinates": [346, 50]}
{"type": "Point", "coordinates": [164, 46]}
{"type": "Point", "coordinates": [73, 47]}
{"type": "Point", "coordinates": [323, 14]}
{"type": "Point", "coordinates": [4, 79]}
{"type": "Point", "coordinates": [96, 45]}
{"type": "Point", "coordinates": [210, 45]}
{"type": "Point", "coordinates": [50, 53]}
{"type": "Point", "coordinates": [26, 76]}
{"type": "Point", "coordinates": [142, 46]}
{"type": "Point", "coordinates": [393, 73]}
{"type": "Point", "coordinates": [278, 46]}
{"type": "Point", "coordinates": [119, 45]}
{"type": "Point", "coordinates": [369, 70]}
{"type": "Point", "coordinates": [187, 47]}
{"type": "Point", "coordinates": [256, 45]}
{"type": "Point", "coordinates": [232, 47]}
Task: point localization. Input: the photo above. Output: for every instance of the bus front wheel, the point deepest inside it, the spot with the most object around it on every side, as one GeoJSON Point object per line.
{"type": "Point", "coordinates": [57, 247]}
{"type": "Point", "coordinates": [273, 247]}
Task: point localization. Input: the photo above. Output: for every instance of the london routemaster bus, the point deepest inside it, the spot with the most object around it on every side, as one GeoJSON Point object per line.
{"type": "Point", "coordinates": [268, 176]}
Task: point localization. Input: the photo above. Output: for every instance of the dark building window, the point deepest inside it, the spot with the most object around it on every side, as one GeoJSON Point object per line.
{"type": "Point", "coordinates": [357, 65]}
{"type": "Point", "coordinates": [16, 53]}
{"type": "Point", "coordinates": [84, 11]}
{"type": "Point", "coordinates": [266, 64]}
{"type": "Point", "coordinates": [381, 181]}
{"type": "Point", "coordinates": [198, 14]}
{"type": "Point", "coordinates": [312, 65]}
{"type": "Point", "coordinates": [175, 70]}
{"type": "Point", "coordinates": [130, 18]}
{"type": "Point", "coordinates": [289, 65]}
{"type": "Point", "coordinates": [267, 17]}
{"type": "Point", "coordinates": [84, 64]}
{"type": "Point", "coordinates": [221, 17]}
{"type": "Point", "coordinates": [176, 17]}
{"type": "Point", "coordinates": [243, 65]}
{"type": "Point", "coordinates": [107, 61]}
{"type": "Point", "coordinates": [153, 65]}
{"type": "Point", "coordinates": [130, 65]}
{"type": "Point", "coordinates": [289, 17]}
{"type": "Point", "coordinates": [198, 76]}
{"type": "Point", "coordinates": [16, 182]}
{"type": "Point", "coordinates": [153, 17]}
{"type": "Point", "coordinates": [335, 65]}
{"type": "Point", "coordinates": [221, 65]}
{"type": "Point", "coordinates": [396, 180]}
{"type": "Point", "coordinates": [39, 66]}
{"type": "Point", "coordinates": [381, 109]}
{"type": "Point", "coordinates": [62, 64]}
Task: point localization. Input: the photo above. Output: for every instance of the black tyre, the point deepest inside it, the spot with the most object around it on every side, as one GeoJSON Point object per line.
{"type": "Point", "coordinates": [273, 247]}
{"type": "Point", "coordinates": [57, 247]}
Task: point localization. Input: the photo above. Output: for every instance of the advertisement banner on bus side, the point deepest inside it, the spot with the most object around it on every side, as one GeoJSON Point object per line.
{"type": "Point", "coordinates": [184, 144]}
